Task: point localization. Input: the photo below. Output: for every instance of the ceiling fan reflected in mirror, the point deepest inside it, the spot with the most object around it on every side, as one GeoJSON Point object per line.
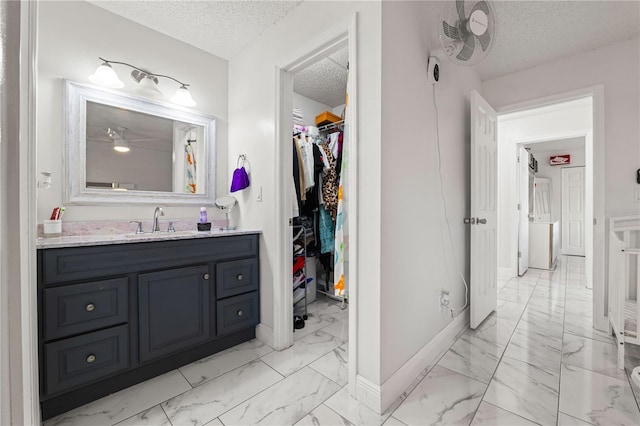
{"type": "Point", "coordinates": [121, 143]}
{"type": "Point", "coordinates": [467, 31]}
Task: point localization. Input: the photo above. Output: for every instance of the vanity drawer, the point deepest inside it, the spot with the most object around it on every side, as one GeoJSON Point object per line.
{"type": "Point", "coordinates": [239, 276]}
{"type": "Point", "coordinates": [78, 263]}
{"type": "Point", "coordinates": [238, 312]}
{"type": "Point", "coordinates": [83, 359]}
{"type": "Point", "coordinates": [78, 308]}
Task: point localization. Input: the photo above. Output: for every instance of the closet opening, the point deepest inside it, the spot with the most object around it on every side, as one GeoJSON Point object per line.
{"type": "Point", "coordinates": [317, 175]}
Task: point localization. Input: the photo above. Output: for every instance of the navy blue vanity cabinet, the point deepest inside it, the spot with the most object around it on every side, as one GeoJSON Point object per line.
{"type": "Point", "coordinates": [115, 315]}
{"type": "Point", "coordinates": [173, 310]}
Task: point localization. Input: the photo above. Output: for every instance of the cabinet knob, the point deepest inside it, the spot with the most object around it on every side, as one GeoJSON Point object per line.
{"type": "Point", "coordinates": [91, 358]}
{"type": "Point", "coordinates": [239, 277]}
{"type": "Point", "coordinates": [240, 313]}
{"type": "Point", "coordinates": [205, 276]}
{"type": "Point", "coordinates": [90, 307]}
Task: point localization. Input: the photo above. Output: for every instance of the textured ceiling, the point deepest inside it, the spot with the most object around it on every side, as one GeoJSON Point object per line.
{"type": "Point", "coordinates": [222, 28]}
{"type": "Point", "coordinates": [326, 80]}
{"type": "Point", "coordinates": [530, 33]}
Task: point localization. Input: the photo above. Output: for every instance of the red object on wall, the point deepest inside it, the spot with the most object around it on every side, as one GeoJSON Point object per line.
{"type": "Point", "coordinates": [557, 160]}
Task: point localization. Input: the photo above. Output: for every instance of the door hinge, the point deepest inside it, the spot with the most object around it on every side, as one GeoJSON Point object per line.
{"type": "Point", "coordinates": [519, 206]}
{"type": "Point", "coordinates": [518, 159]}
{"type": "Point", "coordinates": [595, 221]}
{"type": "Point", "coordinates": [519, 254]}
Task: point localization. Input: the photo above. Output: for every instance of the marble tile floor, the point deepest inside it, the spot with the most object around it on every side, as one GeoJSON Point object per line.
{"type": "Point", "coordinates": [535, 360]}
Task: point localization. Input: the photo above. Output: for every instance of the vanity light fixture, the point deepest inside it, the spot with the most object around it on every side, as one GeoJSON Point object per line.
{"type": "Point", "coordinates": [148, 82]}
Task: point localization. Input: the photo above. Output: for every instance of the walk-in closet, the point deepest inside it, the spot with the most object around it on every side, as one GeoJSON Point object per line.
{"type": "Point", "coordinates": [320, 146]}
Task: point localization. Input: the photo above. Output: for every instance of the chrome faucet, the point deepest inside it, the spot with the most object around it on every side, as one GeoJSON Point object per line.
{"type": "Point", "coordinates": [156, 226]}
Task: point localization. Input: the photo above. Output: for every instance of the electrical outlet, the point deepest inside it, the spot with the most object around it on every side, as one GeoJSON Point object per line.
{"type": "Point", "coordinates": [444, 298]}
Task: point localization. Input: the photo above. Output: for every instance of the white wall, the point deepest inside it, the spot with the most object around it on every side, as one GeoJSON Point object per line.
{"type": "Point", "coordinates": [71, 36]}
{"type": "Point", "coordinates": [252, 109]}
{"type": "Point", "coordinates": [417, 258]}
{"type": "Point", "coordinates": [555, 174]}
{"type": "Point", "coordinates": [543, 124]}
{"type": "Point", "coordinates": [617, 66]}
{"type": "Point", "coordinates": [310, 108]}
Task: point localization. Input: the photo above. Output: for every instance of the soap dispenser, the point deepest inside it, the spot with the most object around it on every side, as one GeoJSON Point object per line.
{"type": "Point", "coordinates": [203, 215]}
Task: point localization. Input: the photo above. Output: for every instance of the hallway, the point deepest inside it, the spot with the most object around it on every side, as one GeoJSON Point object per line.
{"type": "Point", "coordinates": [536, 360]}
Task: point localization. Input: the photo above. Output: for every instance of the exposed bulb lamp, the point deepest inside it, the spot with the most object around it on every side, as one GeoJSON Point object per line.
{"type": "Point", "coordinates": [148, 82]}
{"type": "Point", "coordinates": [120, 144]}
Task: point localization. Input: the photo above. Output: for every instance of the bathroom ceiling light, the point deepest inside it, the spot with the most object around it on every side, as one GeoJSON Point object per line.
{"type": "Point", "coordinates": [148, 81]}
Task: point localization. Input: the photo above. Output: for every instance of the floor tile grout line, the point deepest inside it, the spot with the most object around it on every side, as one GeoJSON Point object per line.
{"type": "Point", "coordinates": [455, 341]}
{"type": "Point", "coordinates": [165, 413]}
{"type": "Point", "coordinates": [426, 372]}
{"type": "Point", "coordinates": [505, 348]}
{"type": "Point", "coordinates": [574, 417]}
{"type": "Point", "coordinates": [241, 366]}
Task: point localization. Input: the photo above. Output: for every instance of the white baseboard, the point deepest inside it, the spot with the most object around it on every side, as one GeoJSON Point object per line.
{"type": "Point", "coordinates": [380, 398]}
{"type": "Point", "coordinates": [265, 335]}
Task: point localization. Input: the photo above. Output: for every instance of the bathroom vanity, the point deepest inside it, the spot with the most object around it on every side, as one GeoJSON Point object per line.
{"type": "Point", "coordinates": [116, 311]}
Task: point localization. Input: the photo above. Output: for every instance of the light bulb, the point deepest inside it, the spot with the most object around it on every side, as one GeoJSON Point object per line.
{"type": "Point", "coordinates": [183, 97]}
{"type": "Point", "coordinates": [105, 76]}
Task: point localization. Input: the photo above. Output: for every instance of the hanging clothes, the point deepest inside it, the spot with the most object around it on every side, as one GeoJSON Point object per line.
{"type": "Point", "coordinates": [306, 152]}
{"type": "Point", "coordinates": [339, 285]}
{"type": "Point", "coordinates": [330, 183]}
{"type": "Point", "coordinates": [190, 169]}
{"type": "Point", "coordinates": [301, 175]}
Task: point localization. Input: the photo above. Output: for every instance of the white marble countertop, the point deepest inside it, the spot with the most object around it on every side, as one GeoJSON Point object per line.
{"type": "Point", "coordinates": [106, 239]}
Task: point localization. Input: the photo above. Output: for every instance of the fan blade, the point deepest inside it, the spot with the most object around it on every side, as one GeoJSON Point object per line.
{"type": "Point", "coordinates": [460, 8]}
{"type": "Point", "coordinates": [451, 31]}
{"type": "Point", "coordinates": [467, 50]}
{"type": "Point", "coordinates": [482, 5]}
{"type": "Point", "coordinates": [484, 40]}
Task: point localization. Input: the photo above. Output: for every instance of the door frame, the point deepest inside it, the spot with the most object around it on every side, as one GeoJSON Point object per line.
{"type": "Point", "coordinates": [595, 208]}
{"type": "Point", "coordinates": [321, 46]}
{"type": "Point", "coordinates": [23, 327]}
{"type": "Point", "coordinates": [522, 246]}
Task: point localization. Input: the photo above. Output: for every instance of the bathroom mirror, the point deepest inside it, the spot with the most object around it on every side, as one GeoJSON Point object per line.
{"type": "Point", "coordinates": [120, 149]}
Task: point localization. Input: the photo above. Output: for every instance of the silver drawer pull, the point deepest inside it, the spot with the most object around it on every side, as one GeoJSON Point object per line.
{"type": "Point", "coordinates": [90, 307]}
{"type": "Point", "coordinates": [240, 313]}
{"type": "Point", "coordinates": [239, 277]}
{"type": "Point", "coordinates": [91, 358]}
{"type": "Point", "coordinates": [205, 276]}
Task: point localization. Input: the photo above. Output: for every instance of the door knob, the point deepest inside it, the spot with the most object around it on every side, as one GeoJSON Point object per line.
{"type": "Point", "coordinates": [469, 221]}
{"type": "Point", "coordinates": [481, 221]}
{"type": "Point", "coordinates": [205, 276]}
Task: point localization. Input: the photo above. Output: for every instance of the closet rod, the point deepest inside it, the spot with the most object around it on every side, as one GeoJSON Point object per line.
{"type": "Point", "coordinates": [327, 126]}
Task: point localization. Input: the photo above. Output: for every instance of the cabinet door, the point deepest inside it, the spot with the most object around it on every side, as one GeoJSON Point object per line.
{"type": "Point", "coordinates": [174, 310]}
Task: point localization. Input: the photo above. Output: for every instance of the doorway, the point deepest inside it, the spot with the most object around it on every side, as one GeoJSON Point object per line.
{"type": "Point", "coordinates": [342, 43]}
{"type": "Point", "coordinates": [571, 116]}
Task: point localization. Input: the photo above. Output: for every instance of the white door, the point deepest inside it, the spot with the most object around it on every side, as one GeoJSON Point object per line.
{"type": "Point", "coordinates": [573, 209]}
{"type": "Point", "coordinates": [523, 206]}
{"type": "Point", "coordinates": [542, 199]}
{"type": "Point", "coordinates": [484, 250]}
